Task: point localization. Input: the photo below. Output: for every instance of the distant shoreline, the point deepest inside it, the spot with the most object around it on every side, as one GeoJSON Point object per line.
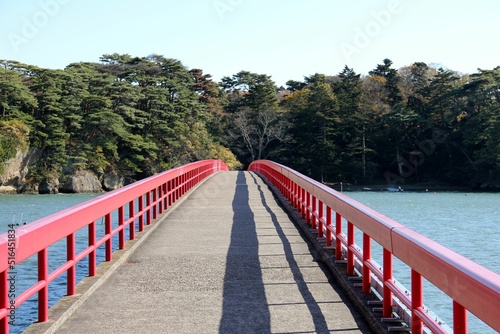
{"type": "Point", "coordinates": [346, 187]}
{"type": "Point", "coordinates": [412, 188]}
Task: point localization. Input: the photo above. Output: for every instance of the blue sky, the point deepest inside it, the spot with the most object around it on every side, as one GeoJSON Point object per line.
{"type": "Point", "coordinates": [285, 39]}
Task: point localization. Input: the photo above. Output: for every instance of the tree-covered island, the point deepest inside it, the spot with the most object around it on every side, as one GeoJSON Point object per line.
{"type": "Point", "coordinates": [125, 118]}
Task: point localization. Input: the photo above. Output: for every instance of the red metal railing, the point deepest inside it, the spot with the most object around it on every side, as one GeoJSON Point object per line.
{"type": "Point", "coordinates": [152, 195]}
{"type": "Point", "coordinates": [470, 286]}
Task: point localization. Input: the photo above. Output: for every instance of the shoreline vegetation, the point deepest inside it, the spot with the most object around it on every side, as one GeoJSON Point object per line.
{"type": "Point", "coordinates": [344, 187]}
{"type": "Point", "coordinates": [411, 188]}
{"type": "Point", "coordinates": [97, 126]}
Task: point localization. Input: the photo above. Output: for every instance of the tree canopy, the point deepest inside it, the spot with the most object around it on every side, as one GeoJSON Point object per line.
{"type": "Point", "coordinates": [140, 115]}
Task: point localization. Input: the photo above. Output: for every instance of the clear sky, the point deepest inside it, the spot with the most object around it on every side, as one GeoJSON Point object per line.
{"type": "Point", "coordinates": [285, 39]}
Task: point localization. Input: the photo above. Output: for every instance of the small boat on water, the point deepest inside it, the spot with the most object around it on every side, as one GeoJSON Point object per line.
{"type": "Point", "coordinates": [398, 189]}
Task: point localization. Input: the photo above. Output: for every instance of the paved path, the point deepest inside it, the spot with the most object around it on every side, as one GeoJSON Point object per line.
{"type": "Point", "coordinates": [226, 260]}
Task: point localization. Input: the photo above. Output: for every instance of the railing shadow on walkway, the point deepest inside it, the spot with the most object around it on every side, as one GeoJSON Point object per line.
{"type": "Point", "coordinates": [245, 306]}
{"type": "Point", "coordinates": [320, 323]}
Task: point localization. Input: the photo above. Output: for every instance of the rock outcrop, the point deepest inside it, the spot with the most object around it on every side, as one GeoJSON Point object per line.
{"type": "Point", "coordinates": [16, 170]}
{"type": "Point", "coordinates": [112, 181]}
{"type": "Point", "coordinates": [15, 178]}
{"type": "Point", "coordinates": [82, 182]}
{"type": "Point", "coordinates": [49, 186]}
{"type": "Point", "coordinates": [7, 190]}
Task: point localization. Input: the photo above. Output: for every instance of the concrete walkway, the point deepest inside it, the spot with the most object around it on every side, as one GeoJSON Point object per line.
{"type": "Point", "coordinates": [226, 260]}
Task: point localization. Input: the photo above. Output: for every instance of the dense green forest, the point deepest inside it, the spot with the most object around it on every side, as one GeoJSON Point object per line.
{"type": "Point", "coordinates": [141, 115]}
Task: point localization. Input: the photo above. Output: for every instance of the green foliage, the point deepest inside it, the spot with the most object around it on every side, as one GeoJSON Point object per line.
{"type": "Point", "coordinates": [135, 115]}
{"type": "Point", "coordinates": [13, 137]}
{"type": "Point", "coordinates": [415, 124]}
{"type": "Point", "coordinates": [16, 100]}
{"type": "Point", "coordinates": [141, 115]}
{"type": "Point", "coordinates": [255, 123]}
{"type": "Point", "coordinates": [314, 117]}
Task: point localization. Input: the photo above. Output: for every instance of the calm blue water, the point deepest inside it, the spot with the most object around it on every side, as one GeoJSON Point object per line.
{"type": "Point", "coordinates": [19, 209]}
{"type": "Point", "coordinates": [466, 223]}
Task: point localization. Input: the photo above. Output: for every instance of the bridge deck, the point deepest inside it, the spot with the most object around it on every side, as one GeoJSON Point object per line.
{"type": "Point", "coordinates": [247, 270]}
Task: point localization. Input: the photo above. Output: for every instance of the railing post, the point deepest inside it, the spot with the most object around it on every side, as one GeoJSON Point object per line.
{"type": "Point", "coordinates": [141, 216]}
{"type": "Point", "coordinates": [43, 294]}
{"type": "Point", "coordinates": [177, 188]}
{"type": "Point", "coordinates": [306, 207]}
{"type": "Point", "coordinates": [148, 212]}
{"type": "Point", "coordinates": [284, 186]}
{"type": "Point", "coordinates": [4, 301]}
{"type": "Point", "coordinates": [70, 255]}
{"type": "Point", "coordinates": [295, 196]}
{"type": "Point", "coordinates": [92, 254]}
{"type": "Point", "coordinates": [186, 183]}
{"type": "Point", "coordinates": [314, 212]}
{"type": "Point", "coordinates": [165, 197]}
{"type": "Point", "coordinates": [160, 202]}
{"type": "Point", "coordinates": [284, 189]}
{"type": "Point", "coordinates": [160, 199]}
{"type": "Point", "coordinates": [329, 237]}
{"type": "Point", "coordinates": [416, 301]}
{"type": "Point", "coordinates": [109, 242]}
{"type": "Point", "coordinates": [321, 215]}
{"type": "Point", "coordinates": [387, 297]}
{"type": "Point", "coordinates": [279, 179]}
{"type": "Point", "coordinates": [121, 222]}
{"type": "Point", "coordinates": [170, 193]}
{"type": "Point", "coordinates": [180, 184]}
{"type": "Point", "coordinates": [367, 255]}
{"type": "Point", "coordinates": [338, 232]}
{"type": "Point", "coordinates": [459, 319]}
{"type": "Point", "coordinates": [131, 213]}
{"type": "Point", "coordinates": [303, 200]}
{"type": "Point", "coordinates": [155, 197]}
{"type": "Point", "coordinates": [350, 253]}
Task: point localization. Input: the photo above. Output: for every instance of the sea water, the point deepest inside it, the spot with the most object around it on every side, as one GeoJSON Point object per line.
{"type": "Point", "coordinates": [467, 223]}
{"type": "Point", "coordinates": [23, 209]}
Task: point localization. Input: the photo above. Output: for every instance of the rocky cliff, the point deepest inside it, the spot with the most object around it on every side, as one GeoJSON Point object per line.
{"type": "Point", "coordinates": [15, 178]}
{"type": "Point", "coordinates": [82, 182]}
{"type": "Point", "coordinates": [16, 170]}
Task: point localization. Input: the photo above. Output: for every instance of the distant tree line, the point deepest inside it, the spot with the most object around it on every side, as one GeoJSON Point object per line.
{"type": "Point", "coordinates": [418, 124]}
{"type": "Point", "coordinates": [141, 115]}
{"type": "Point", "coordinates": [136, 116]}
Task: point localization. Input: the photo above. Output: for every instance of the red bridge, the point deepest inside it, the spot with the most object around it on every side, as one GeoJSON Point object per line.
{"type": "Point", "coordinates": [202, 249]}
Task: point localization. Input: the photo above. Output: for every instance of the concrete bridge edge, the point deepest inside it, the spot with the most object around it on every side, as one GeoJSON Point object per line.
{"type": "Point", "coordinates": [354, 294]}
{"type": "Point", "coordinates": [65, 307]}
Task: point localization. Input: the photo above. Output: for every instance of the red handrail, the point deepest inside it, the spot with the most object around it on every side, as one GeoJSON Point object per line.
{"type": "Point", "coordinates": [160, 191]}
{"type": "Point", "coordinates": [470, 286]}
